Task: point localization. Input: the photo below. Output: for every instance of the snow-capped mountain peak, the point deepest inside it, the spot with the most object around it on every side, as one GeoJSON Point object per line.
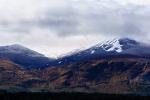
{"type": "Point", "coordinates": [117, 45]}
{"type": "Point", "coordinates": [113, 45]}
{"type": "Point", "coordinates": [116, 48]}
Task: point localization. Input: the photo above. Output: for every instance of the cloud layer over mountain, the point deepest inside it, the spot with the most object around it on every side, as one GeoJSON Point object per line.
{"type": "Point", "coordinates": [55, 27]}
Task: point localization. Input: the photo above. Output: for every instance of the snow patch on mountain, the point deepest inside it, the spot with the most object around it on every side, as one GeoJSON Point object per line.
{"type": "Point", "coordinates": [113, 45]}
{"type": "Point", "coordinates": [93, 51]}
{"type": "Point", "coordinates": [59, 62]}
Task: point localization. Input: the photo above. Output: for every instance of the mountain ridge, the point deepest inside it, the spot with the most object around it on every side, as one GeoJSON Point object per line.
{"type": "Point", "coordinates": [118, 47]}
{"type": "Point", "coordinates": [106, 70]}
{"type": "Point", "coordinates": [123, 47]}
{"type": "Point", "coordinates": [24, 56]}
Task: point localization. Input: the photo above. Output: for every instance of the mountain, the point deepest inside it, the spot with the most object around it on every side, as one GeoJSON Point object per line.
{"type": "Point", "coordinates": [115, 48]}
{"type": "Point", "coordinates": [24, 56]}
{"type": "Point", "coordinates": [116, 76]}
{"type": "Point", "coordinates": [16, 78]}
{"type": "Point", "coordinates": [120, 66]}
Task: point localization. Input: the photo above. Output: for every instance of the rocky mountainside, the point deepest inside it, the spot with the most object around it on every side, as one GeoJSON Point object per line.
{"type": "Point", "coordinates": [119, 75]}
{"type": "Point", "coordinates": [126, 75]}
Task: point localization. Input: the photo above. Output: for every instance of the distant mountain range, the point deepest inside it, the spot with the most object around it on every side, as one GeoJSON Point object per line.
{"type": "Point", "coordinates": [116, 66]}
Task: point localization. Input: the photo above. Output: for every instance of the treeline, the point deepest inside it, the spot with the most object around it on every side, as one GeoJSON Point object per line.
{"type": "Point", "coordinates": [69, 96]}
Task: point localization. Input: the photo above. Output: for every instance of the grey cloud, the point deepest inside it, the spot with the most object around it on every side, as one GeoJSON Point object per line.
{"type": "Point", "coordinates": [121, 20]}
{"type": "Point", "coordinates": [65, 27]}
{"type": "Point", "coordinates": [61, 21]}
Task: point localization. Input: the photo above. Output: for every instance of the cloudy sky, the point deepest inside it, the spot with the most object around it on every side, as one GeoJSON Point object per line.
{"type": "Point", "coordinates": [55, 27]}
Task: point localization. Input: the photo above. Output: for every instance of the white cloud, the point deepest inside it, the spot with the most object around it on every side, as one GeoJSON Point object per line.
{"type": "Point", "coordinates": [51, 45]}
{"type": "Point", "coordinates": [14, 10]}
{"type": "Point", "coordinates": [54, 27]}
{"type": "Point", "coordinates": [135, 2]}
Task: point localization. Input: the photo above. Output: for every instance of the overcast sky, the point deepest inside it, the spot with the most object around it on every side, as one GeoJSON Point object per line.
{"type": "Point", "coordinates": [55, 27]}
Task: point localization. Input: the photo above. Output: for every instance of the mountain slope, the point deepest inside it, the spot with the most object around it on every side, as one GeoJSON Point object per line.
{"type": "Point", "coordinates": [123, 47]}
{"type": "Point", "coordinates": [118, 66]}
{"type": "Point", "coordinates": [123, 75]}
{"type": "Point", "coordinates": [24, 56]}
